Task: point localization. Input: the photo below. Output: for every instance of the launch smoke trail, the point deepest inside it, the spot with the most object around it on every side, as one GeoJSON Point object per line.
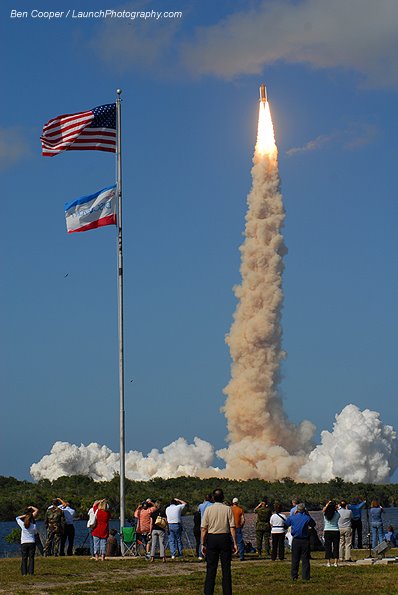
{"type": "Point", "coordinates": [262, 441]}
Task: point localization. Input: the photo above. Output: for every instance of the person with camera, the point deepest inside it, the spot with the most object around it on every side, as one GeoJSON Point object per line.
{"type": "Point", "coordinates": [158, 534]}
{"type": "Point", "coordinates": [263, 527]}
{"type": "Point", "coordinates": [69, 527]}
{"type": "Point", "coordinates": [100, 532]}
{"type": "Point", "coordinates": [143, 513]}
{"type": "Point", "coordinates": [27, 524]}
{"type": "Point", "coordinates": [173, 514]}
{"type": "Point", "coordinates": [300, 522]}
{"type": "Point", "coordinates": [278, 532]}
{"type": "Point", "coordinates": [55, 523]}
{"type": "Point", "coordinates": [331, 533]}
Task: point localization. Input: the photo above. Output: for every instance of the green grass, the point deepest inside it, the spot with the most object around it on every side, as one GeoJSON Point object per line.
{"type": "Point", "coordinates": [79, 575]}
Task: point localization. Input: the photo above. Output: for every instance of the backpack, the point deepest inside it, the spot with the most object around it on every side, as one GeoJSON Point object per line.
{"type": "Point", "coordinates": [92, 519]}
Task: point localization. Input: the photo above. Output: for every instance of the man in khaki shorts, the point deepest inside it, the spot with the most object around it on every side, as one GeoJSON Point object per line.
{"type": "Point", "coordinates": [218, 542]}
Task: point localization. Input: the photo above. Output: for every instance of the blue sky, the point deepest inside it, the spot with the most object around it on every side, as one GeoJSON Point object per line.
{"type": "Point", "coordinates": [190, 89]}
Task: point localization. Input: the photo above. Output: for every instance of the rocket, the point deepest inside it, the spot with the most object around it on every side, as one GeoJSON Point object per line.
{"type": "Point", "coordinates": [263, 93]}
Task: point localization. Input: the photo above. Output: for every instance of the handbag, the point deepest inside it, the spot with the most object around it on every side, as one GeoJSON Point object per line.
{"type": "Point", "coordinates": [161, 522]}
{"type": "Point", "coordinates": [92, 519]}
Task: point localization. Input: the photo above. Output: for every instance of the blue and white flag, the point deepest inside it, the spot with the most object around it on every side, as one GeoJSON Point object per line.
{"type": "Point", "coordinates": [89, 212]}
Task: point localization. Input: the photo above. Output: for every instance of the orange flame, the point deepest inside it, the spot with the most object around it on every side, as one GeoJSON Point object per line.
{"type": "Point", "coordinates": [265, 144]}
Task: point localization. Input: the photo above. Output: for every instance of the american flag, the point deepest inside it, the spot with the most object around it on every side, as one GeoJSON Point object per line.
{"type": "Point", "coordinates": [93, 130]}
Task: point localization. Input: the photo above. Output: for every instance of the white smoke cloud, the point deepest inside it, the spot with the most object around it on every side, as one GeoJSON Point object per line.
{"type": "Point", "coordinates": [358, 35]}
{"type": "Point", "coordinates": [354, 35]}
{"type": "Point", "coordinates": [101, 464]}
{"type": "Point", "coordinates": [359, 449]}
{"type": "Point", "coordinates": [354, 137]}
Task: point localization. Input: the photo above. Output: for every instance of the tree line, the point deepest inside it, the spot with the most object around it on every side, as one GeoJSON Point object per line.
{"type": "Point", "coordinates": [82, 491]}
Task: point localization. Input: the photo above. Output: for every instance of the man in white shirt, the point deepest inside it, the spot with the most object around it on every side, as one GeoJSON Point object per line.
{"type": "Point", "coordinates": [69, 528]}
{"type": "Point", "coordinates": [173, 514]}
{"type": "Point", "coordinates": [218, 542]}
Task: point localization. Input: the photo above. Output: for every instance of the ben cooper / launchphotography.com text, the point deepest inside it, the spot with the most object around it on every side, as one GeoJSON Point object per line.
{"type": "Point", "coordinates": [94, 14]}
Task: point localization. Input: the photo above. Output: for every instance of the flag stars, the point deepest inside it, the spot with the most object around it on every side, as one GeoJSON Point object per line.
{"type": "Point", "coordinates": [104, 116]}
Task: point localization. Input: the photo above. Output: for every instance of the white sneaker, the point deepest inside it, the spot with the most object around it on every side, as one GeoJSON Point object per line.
{"type": "Point", "coordinates": [200, 558]}
{"type": "Point", "coordinates": [173, 557]}
{"type": "Point", "coordinates": [336, 565]}
{"type": "Point", "coordinates": [328, 564]}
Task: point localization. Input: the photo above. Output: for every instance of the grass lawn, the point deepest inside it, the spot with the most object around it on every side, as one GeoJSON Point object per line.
{"type": "Point", "coordinates": [77, 575]}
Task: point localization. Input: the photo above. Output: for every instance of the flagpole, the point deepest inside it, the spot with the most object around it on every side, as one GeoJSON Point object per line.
{"type": "Point", "coordinates": [120, 306]}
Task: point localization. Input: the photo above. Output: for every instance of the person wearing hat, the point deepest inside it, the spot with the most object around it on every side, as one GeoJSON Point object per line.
{"type": "Point", "coordinates": [300, 521]}
{"type": "Point", "coordinates": [143, 514]}
{"type": "Point", "coordinates": [263, 527]}
{"type": "Point", "coordinates": [239, 517]}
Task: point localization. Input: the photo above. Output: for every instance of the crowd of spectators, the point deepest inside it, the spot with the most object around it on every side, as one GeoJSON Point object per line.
{"type": "Point", "coordinates": [218, 530]}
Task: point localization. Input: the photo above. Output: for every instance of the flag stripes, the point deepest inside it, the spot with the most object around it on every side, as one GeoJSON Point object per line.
{"type": "Point", "coordinates": [90, 130]}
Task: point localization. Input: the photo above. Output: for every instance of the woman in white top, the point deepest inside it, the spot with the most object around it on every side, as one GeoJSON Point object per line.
{"type": "Point", "coordinates": [28, 539]}
{"type": "Point", "coordinates": [278, 532]}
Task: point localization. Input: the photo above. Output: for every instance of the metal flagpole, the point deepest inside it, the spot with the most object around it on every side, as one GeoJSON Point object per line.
{"type": "Point", "coordinates": [120, 305]}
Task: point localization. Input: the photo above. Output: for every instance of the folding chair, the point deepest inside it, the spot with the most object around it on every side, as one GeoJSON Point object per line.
{"type": "Point", "coordinates": [129, 541]}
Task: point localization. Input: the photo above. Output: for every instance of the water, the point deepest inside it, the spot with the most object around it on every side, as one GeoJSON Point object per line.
{"type": "Point", "coordinates": [81, 535]}
{"type": "Point", "coordinates": [390, 517]}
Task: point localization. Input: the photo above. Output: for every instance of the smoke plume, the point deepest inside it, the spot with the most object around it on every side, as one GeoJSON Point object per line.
{"type": "Point", "coordinates": [101, 464]}
{"type": "Point", "coordinates": [263, 443]}
{"type": "Point", "coordinates": [359, 449]}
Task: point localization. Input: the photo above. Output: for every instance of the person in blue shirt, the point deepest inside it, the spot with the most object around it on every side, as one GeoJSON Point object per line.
{"type": "Point", "coordinates": [390, 536]}
{"type": "Point", "coordinates": [208, 501]}
{"type": "Point", "coordinates": [356, 520]}
{"type": "Point", "coordinates": [376, 523]}
{"type": "Point", "coordinates": [299, 522]}
{"type": "Point", "coordinates": [295, 502]}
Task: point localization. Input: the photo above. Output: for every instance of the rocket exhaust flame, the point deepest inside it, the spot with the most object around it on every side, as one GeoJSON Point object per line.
{"type": "Point", "coordinates": [265, 144]}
